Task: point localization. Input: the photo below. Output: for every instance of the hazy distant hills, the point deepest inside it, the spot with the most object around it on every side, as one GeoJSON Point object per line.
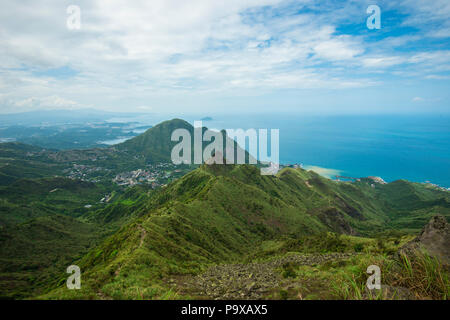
{"type": "Point", "coordinates": [59, 117]}
{"type": "Point", "coordinates": [18, 160]}
{"type": "Point", "coordinates": [129, 245]}
{"type": "Point", "coordinates": [153, 146]}
{"type": "Point", "coordinates": [69, 129]}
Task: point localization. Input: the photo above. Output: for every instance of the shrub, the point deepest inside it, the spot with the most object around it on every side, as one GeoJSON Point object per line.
{"type": "Point", "coordinates": [358, 247]}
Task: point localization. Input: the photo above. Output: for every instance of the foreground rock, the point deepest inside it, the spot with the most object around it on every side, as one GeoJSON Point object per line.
{"type": "Point", "coordinates": [434, 238]}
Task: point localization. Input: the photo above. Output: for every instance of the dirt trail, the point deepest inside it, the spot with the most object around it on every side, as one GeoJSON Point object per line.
{"type": "Point", "coordinates": [143, 234]}
{"type": "Point", "coordinates": [247, 281]}
{"type": "Point", "coordinates": [141, 242]}
{"type": "Point", "coordinates": [101, 295]}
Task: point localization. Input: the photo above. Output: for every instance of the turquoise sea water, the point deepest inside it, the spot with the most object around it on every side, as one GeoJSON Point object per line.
{"type": "Point", "coordinates": [412, 147]}
{"type": "Point", "coordinates": [416, 148]}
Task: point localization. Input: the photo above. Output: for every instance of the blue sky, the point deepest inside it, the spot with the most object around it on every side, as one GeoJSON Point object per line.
{"type": "Point", "coordinates": [205, 56]}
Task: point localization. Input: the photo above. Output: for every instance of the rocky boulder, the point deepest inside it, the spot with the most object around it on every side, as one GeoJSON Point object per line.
{"type": "Point", "coordinates": [434, 238]}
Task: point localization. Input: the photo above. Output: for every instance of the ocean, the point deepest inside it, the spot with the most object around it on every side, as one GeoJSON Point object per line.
{"type": "Point", "coordinates": [412, 147]}
{"type": "Point", "coordinates": [416, 148]}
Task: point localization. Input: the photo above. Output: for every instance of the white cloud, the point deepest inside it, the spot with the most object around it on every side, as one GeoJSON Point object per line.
{"type": "Point", "coordinates": [437, 77]}
{"type": "Point", "coordinates": [424, 13]}
{"type": "Point", "coordinates": [145, 108]}
{"type": "Point", "coordinates": [338, 48]}
{"type": "Point", "coordinates": [382, 62]}
{"type": "Point", "coordinates": [168, 49]}
{"type": "Point", "coordinates": [51, 102]}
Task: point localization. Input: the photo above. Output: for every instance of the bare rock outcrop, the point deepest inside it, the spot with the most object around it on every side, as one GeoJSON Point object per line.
{"type": "Point", "coordinates": [434, 238]}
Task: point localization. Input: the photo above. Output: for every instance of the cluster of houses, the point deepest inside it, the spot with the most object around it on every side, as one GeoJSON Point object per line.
{"type": "Point", "coordinates": [131, 178]}
{"type": "Point", "coordinates": [84, 172]}
{"type": "Point", "coordinates": [294, 166]}
{"type": "Point", "coordinates": [156, 175]}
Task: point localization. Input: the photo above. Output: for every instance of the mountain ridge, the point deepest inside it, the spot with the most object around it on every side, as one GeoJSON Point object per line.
{"type": "Point", "coordinates": [218, 214]}
{"type": "Point", "coordinates": [212, 215]}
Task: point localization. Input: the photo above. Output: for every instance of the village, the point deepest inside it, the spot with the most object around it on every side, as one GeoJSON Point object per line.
{"type": "Point", "coordinates": [86, 172]}
{"type": "Point", "coordinates": [157, 175]}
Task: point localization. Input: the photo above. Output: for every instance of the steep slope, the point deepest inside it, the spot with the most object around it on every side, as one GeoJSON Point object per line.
{"type": "Point", "coordinates": [33, 253]}
{"type": "Point", "coordinates": [19, 160]}
{"type": "Point", "coordinates": [40, 232]}
{"type": "Point", "coordinates": [222, 213]}
{"type": "Point", "coordinates": [155, 145]}
{"type": "Point", "coordinates": [410, 206]}
{"type": "Point", "coordinates": [215, 214]}
{"type": "Point", "coordinates": [25, 199]}
{"type": "Point", "coordinates": [32, 194]}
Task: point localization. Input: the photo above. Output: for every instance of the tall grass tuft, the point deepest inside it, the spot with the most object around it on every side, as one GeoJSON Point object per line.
{"type": "Point", "coordinates": [424, 275]}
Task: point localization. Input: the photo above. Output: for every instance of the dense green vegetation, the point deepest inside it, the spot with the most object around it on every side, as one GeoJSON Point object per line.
{"type": "Point", "coordinates": [222, 214]}
{"type": "Point", "coordinates": [33, 253]}
{"type": "Point", "coordinates": [42, 229]}
{"type": "Point", "coordinates": [129, 246]}
{"type": "Point", "coordinates": [18, 160]}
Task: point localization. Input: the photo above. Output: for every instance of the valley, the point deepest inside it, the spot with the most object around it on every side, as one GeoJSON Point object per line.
{"type": "Point", "coordinates": [140, 227]}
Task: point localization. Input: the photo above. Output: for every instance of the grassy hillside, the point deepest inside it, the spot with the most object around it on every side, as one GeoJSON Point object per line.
{"type": "Point", "coordinates": [33, 253]}
{"type": "Point", "coordinates": [136, 242]}
{"type": "Point", "coordinates": [30, 198]}
{"type": "Point", "coordinates": [155, 145]}
{"type": "Point", "coordinates": [18, 161]}
{"type": "Point", "coordinates": [42, 228]}
{"type": "Point", "coordinates": [223, 214]}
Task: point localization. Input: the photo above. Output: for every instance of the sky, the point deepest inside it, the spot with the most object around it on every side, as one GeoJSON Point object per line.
{"type": "Point", "coordinates": [237, 56]}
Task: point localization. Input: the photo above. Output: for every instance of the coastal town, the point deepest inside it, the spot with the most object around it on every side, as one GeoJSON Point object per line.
{"type": "Point", "coordinates": [86, 172]}
{"type": "Point", "coordinates": [155, 175]}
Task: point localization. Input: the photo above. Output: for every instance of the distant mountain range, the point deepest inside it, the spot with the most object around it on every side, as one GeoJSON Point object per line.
{"type": "Point", "coordinates": [69, 129]}
{"type": "Point", "coordinates": [58, 117]}
{"type": "Point", "coordinates": [152, 146]}
{"type": "Point", "coordinates": [134, 245]}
